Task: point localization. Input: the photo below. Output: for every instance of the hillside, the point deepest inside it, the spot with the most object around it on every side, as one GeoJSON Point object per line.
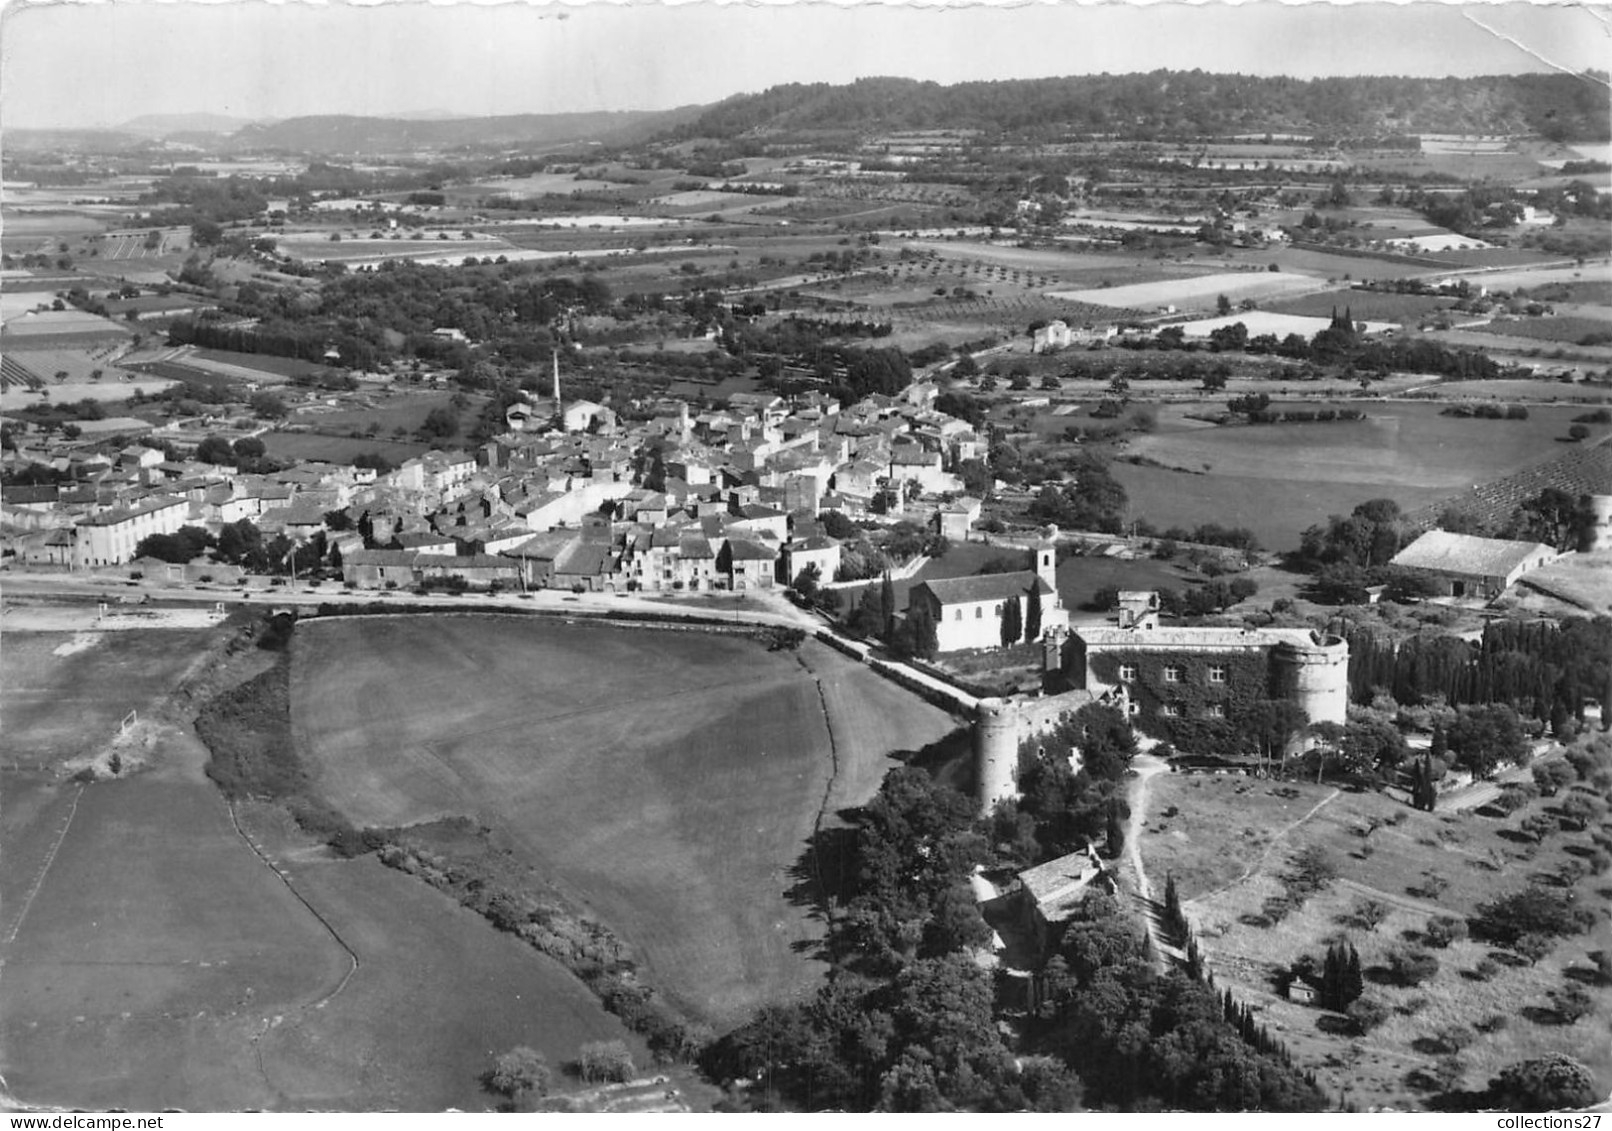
{"type": "Point", "coordinates": [345, 133]}
{"type": "Point", "coordinates": [1562, 107]}
{"type": "Point", "coordinates": [163, 125]}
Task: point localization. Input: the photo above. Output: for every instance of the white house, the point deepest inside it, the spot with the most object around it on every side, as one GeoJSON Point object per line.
{"type": "Point", "coordinates": [109, 538]}
{"type": "Point", "coordinates": [967, 611]}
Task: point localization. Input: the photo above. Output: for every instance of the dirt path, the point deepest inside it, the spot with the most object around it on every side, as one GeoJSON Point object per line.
{"type": "Point", "coordinates": [1259, 866]}
{"type": "Point", "coordinates": [1147, 767]}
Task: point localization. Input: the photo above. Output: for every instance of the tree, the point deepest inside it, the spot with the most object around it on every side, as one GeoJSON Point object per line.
{"type": "Point", "coordinates": [1481, 737]}
{"type": "Point", "coordinates": [1533, 910]}
{"type": "Point", "coordinates": [807, 581]}
{"type": "Point", "coordinates": [239, 542]}
{"type": "Point", "coordinates": [1367, 1013]}
{"type": "Point", "coordinates": [1411, 967]}
{"type": "Point", "coordinates": [1012, 622]}
{"type": "Point", "coordinates": [216, 450]}
{"type": "Point", "coordinates": [1581, 809]}
{"type": "Point", "coordinates": [519, 1073]}
{"type": "Point", "coordinates": [1032, 614]}
{"type": "Point", "coordinates": [887, 601]}
{"type": "Point", "coordinates": [270, 406]}
{"type": "Point", "coordinates": [250, 448]}
{"type": "Point", "coordinates": [608, 1061]}
{"type": "Point", "coordinates": [924, 637]}
{"type": "Point", "coordinates": [1549, 1083]}
{"type": "Point", "coordinates": [1222, 304]}
{"type": "Point", "coordinates": [441, 423]}
{"type": "Point", "coordinates": [182, 546]}
{"type": "Point", "coordinates": [1571, 1002]}
{"type": "Point", "coordinates": [1424, 789]}
{"type": "Point", "coordinates": [867, 619]}
{"type": "Point", "coordinates": [1114, 833]}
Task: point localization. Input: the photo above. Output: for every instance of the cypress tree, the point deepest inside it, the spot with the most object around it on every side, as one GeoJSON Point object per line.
{"type": "Point", "coordinates": [1354, 982]}
{"type": "Point", "coordinates": [1012, 622]}
{"type": "Point", "coordinates": [1174, 921]}
{"type": "Point", "coordinates": [1331, 978]}
{"type": "Point", "coordinates": [1032, 614]}
{"type": "Point", "coordinates": [887, 597]}
{"type": "Point", "coordinates": [1115, 832]}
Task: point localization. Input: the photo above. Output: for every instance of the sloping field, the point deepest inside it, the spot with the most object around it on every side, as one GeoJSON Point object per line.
{"type": "Point", "coordinates": [1396, 445]}
{"type": "Point", "coordinates": [59, 697]}
{"type": "Point", "coordinates": [1201, 290]}
{"type": "Point", "coordinates": [665, 780]}
{"type": "Point", "coordinates": [1276, 510]}
{"type": "Point", "coordinates": [145, 951]}
{"type": "Point", "coordinates": [1279, 479]}
{"type": "Point", "coordinates": [1227, 839]}
{"type": "Point", "coordinates": [152, 959]}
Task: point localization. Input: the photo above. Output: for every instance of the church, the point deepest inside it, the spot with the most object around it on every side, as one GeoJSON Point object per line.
{"type": "Point", "coordinates": [967, 611]}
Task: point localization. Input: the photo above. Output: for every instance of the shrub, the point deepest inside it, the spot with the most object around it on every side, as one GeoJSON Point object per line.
{"type": "Point", "coordinates": [1549, 1083]}
{"type": "Point", "coordinates": [1442, 930]}
{"type": "Point", "coordinates": [1412, 967]}
{"type": "Point", "coordinates": [607, 1061]}
{"type": "Point", "coordinates": [519, 1073]}
{"type": "Point", "coordinates": [1533, 910]}
{"type": "Point", "coordinates": [1367, 1013]}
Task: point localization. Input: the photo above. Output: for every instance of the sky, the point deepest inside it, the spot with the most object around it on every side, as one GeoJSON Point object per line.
{"type": "Point", "coordinates": [67, 63]}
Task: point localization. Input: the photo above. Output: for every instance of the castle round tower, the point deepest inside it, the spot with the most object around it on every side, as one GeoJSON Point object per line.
{"type": "Point", "coordinates": [996, 752]}
{"type": "Point", "coordinates": [1315, 675]}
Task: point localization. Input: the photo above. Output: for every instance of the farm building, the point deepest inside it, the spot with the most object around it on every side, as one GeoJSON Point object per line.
{"type": "Point", "coordinates": [1053, 336]}
{"type": "Point", "coordinates": [1184, 683]}
{"type": "Point", "coordinates": [1049, 894]}
{"type": "Point", "coordinates": [967, 611]}
{"type": "Point", "coordinates": [955, 519]}
{"type": "Point", "coordinates": [1468, 566]}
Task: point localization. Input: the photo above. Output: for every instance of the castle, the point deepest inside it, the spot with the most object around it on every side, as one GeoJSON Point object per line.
{"type": "Point", "coordinates": [1172, 682]}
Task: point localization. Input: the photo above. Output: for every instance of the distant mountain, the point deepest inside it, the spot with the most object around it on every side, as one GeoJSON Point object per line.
{"type": "Point", "coordinates": [351, 134]}
{"type": "Point", "coordinates": [1178, 103]}
{"type": "Point", "coordinates": [72, 140]}
{"type": "Point", "coordinates": [161, 125]}
{"type": "Point", "coordinates": [426, 116]}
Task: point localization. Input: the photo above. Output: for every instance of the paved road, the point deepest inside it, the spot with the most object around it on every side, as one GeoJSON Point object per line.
{"type": "Point", "coordinates": [758, 607]}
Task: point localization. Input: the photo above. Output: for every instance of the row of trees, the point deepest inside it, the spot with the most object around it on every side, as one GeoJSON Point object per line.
{"type": "Point", "coordinates": [1544, 670]}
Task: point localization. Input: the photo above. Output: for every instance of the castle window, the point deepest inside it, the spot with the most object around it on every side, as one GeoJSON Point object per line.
{"type": "Point", "coordinates": [959, 615]}
{"type": "Point", "coordinates": [1127, 673]}
{"type": "Point", "coordinates": [1172, 674]}
{"type": "Point", "coordinates": [1170, 710]}
{"type": "Point", "coordinates": [979, 613]}
{"type": "Point", "coordinates": [1217, 710]}
{"type": "Point", "coordinates": [1217, 673]}
{"type": "Point", "coordinates": [1133, 708]}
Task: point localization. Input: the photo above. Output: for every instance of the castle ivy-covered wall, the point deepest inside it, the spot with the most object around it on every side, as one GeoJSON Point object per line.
{"type": "Point", "coordinates": [1248, 679]}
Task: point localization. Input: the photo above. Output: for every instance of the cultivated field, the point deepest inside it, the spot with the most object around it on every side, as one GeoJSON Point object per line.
{"type": "Point", "coordinates": [666, 781]}
{"type": "Point", "coordinates": [62, 694]}
{"type": "Point", "coordinates": [1277, 511]}
{"type": "Point", "coordinates": [152, 960]}
{"type": "Point", "coordinates": [1396, 445]}
{"type": "Point", "coordinates": [1197, 291]}
{"type": "Point", "coordinates": [1278, 479]}
{"type": "Point", "coordinates": [1227, 839]}
{"type": "Point", "coordinates": [1365, 305]}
